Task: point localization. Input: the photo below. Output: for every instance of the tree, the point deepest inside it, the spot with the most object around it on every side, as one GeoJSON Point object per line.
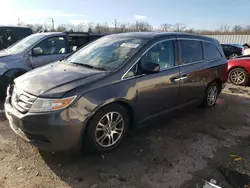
{"type": "Point", "coordinates": [224, 28]}
{"type": "Point", "coordinates": [179, 27]}
{"type": "Point", "coordinates": [61, 28]}
{"type": "Point", "coordinates": [237, 29]}
{"type": "Point", "coordinates": [142, 27]}
{"type": "Point", "coordinates": [80, 27]}
{"type": "Point", "coordinates": [89, 30]}
{"type": "Point", "coordinates": [165, 27]}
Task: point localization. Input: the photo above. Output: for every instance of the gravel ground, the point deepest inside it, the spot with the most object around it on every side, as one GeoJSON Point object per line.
{"type": "Point", "coordinates": [177, 151]}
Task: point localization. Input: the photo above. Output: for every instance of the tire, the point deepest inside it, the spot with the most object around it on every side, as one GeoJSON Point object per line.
{"type": "Point", "coordinates": [100, 140]}
{"type": "Point", "coordinates": [233, 56]}
{"type": "Point", "coordinates": [239, 76]}
{"type": "Point", "coordinates": [8, 82]}
{"type": "Point", "coordinates": [211, 95]}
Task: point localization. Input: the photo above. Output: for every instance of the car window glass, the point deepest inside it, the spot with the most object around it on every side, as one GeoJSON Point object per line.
{"type": "Point", "coordinates": [108, 52]}
{"type": "Point", "coordinates": [132, 72]}
{"type": "Point", "coordinates": [224, 46]}
{"type": "Point", "coordinates": [54, 45]}
{"type": "Point", "coordinates": [162, 54]}
{"type": "Point", "coordinates": [24, 44]}
{"type": "Point", "coordinates": [191, 51]}
{"type": "Point", "coordinates": [210, 51]}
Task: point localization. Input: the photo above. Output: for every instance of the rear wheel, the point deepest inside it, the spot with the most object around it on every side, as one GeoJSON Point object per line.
{"type": "Point", "coordinates": [239, 76]}
{"type": "Point", "coordinates": [211, 95]}
{"type": "Point", "coordinates": [233, 56]}
{"type": "Point", "coordinates": [107, 128]}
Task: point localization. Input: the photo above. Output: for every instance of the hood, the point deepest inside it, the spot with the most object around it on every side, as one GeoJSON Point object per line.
{"type": "Point", "coordinates": [54, 80]}
{"type": "Point", "coordinates": [5, 56]}
{"type": "Point", "coordinates": [4, 53]}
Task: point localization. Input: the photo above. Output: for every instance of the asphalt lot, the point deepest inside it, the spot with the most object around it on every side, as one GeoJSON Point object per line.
{"type": "Point", "coordinates": [175, 151]}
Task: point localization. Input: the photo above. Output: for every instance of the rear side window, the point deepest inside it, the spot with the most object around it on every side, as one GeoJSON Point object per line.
{"type": "Point", "coordinates": [210, 51]}
{"type": "Point", "coordinates": [191, 51]}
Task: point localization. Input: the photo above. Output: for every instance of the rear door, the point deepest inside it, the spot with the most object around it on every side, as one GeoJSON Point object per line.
{"type": "Point", "coordinates": [193, 73]}
{"type": "Point", "coordinates": [53, 49]}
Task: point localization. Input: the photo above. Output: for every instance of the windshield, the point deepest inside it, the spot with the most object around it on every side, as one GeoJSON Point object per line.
{"type": "Point", "coordinates": [107, 53]}
{"type": "Point", "coordinates": [24, 44]}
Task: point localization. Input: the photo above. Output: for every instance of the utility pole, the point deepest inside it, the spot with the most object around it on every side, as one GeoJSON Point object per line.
{"type": "Point", "coordinates": [115, 24]}
{"type": "Point", "coordinates": [52, 20]}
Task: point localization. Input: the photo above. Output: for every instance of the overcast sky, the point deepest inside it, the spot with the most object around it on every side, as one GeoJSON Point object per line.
{"type": "Point", "coordinates": [199, 14]}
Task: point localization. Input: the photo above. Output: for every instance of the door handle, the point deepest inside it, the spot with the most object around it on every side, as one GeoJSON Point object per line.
{"type": "Point", "coordinates": [182, 77]}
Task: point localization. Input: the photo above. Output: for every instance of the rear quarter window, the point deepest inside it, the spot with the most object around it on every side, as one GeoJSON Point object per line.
{"type": "Point", "coordinates": [190, 51]}
{"type": "Point", "coordinates": [210, 51]}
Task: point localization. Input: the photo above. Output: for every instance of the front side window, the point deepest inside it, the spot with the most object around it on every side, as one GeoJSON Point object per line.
{"type": "Point", "coordinates": [162, 54]}
{"type": "Point", "coordinates": [132, 72]}
{"type": "Point", "coordinates": [191, 51]}
{"type": "Point", "coordinates": [107, 53]}
{"type": "Point", "coordinates": [51, 46]}
{"type": "Point", "coordinates": [210, 51]}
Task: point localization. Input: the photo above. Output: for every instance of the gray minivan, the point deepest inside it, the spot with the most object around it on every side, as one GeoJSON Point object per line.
{"type": "Point", "coordinates": [115, 83]}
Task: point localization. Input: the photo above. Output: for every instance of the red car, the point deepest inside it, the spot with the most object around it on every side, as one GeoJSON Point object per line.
{"type": "Point", "coordinates": [239, 70]}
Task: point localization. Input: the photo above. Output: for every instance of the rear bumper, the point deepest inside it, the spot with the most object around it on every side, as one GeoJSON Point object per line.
{"type": "Point", "coordinates": [54, 131]}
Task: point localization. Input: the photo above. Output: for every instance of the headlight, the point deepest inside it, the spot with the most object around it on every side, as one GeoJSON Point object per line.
{"type": "Point", "coordinates": [48, 105]}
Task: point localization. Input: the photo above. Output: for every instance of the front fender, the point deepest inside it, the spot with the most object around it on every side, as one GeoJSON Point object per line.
{"type": "Point", "coordinates": [89, 103]}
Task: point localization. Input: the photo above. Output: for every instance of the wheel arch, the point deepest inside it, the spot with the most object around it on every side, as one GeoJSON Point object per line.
{"type": "Point", "coordinates": [121, 102]}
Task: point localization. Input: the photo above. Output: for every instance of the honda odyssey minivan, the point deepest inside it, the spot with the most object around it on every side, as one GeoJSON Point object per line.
{"type": "Point", "coordinates": [118, 82]}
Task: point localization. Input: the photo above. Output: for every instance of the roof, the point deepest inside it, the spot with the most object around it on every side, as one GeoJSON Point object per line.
{"type": "Point", "coordinates": [50, 33]}
{"type": "Point", "coordinates": [151, 35]}
{"type": "Point", "coordinates": [14, 26]}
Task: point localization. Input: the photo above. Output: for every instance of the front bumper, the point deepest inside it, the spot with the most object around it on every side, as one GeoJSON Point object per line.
{"type": "Point", "coordinates": [54, 131]}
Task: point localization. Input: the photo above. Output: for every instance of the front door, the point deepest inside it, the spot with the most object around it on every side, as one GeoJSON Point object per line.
{"type": "Point", "coordinates": [158, 92]}
{"type": "Point", "coordinates": [52, 49]}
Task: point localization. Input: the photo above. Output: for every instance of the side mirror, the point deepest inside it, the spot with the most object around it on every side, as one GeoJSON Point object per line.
{"type": "Point", "coordinates": [149, 67]}
{"type": "Point", "coordinates": [37, 51]}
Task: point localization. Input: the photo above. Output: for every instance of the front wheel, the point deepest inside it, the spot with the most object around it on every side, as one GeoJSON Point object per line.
{"type": "Point", "coordinates": [211, 95]}
{"type": "Point", "coordinates": [107, 128]}
{"type": "Point", "coordinates": [239, 76]}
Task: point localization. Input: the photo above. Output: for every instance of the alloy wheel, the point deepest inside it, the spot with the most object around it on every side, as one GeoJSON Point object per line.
{"type": "Point", "coordinates": [212, 95]}
{"type": "Point", "coordinates": [237, 77]}
{"type": "Point", "coordinates": [109, 129]}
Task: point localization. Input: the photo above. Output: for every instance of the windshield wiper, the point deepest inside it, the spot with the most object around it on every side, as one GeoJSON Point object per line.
{"type": "Point", "coordinates": [89, 66]}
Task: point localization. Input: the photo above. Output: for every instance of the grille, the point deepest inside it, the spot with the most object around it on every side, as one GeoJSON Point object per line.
{"type": "Point", "coordinates": [21, 100]}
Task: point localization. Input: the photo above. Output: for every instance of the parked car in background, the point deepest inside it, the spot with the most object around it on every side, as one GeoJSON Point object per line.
{"type": "Point", "coordinates": [232, 51]}
{"type": "Point", "coordinates": [115, 83]}
{"type": "Point", "coordinates": [239, 70]}
{"type": "Point", "coordinates": [11, 34]}
{"type": "Point", "coordinates": [37, 50]}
